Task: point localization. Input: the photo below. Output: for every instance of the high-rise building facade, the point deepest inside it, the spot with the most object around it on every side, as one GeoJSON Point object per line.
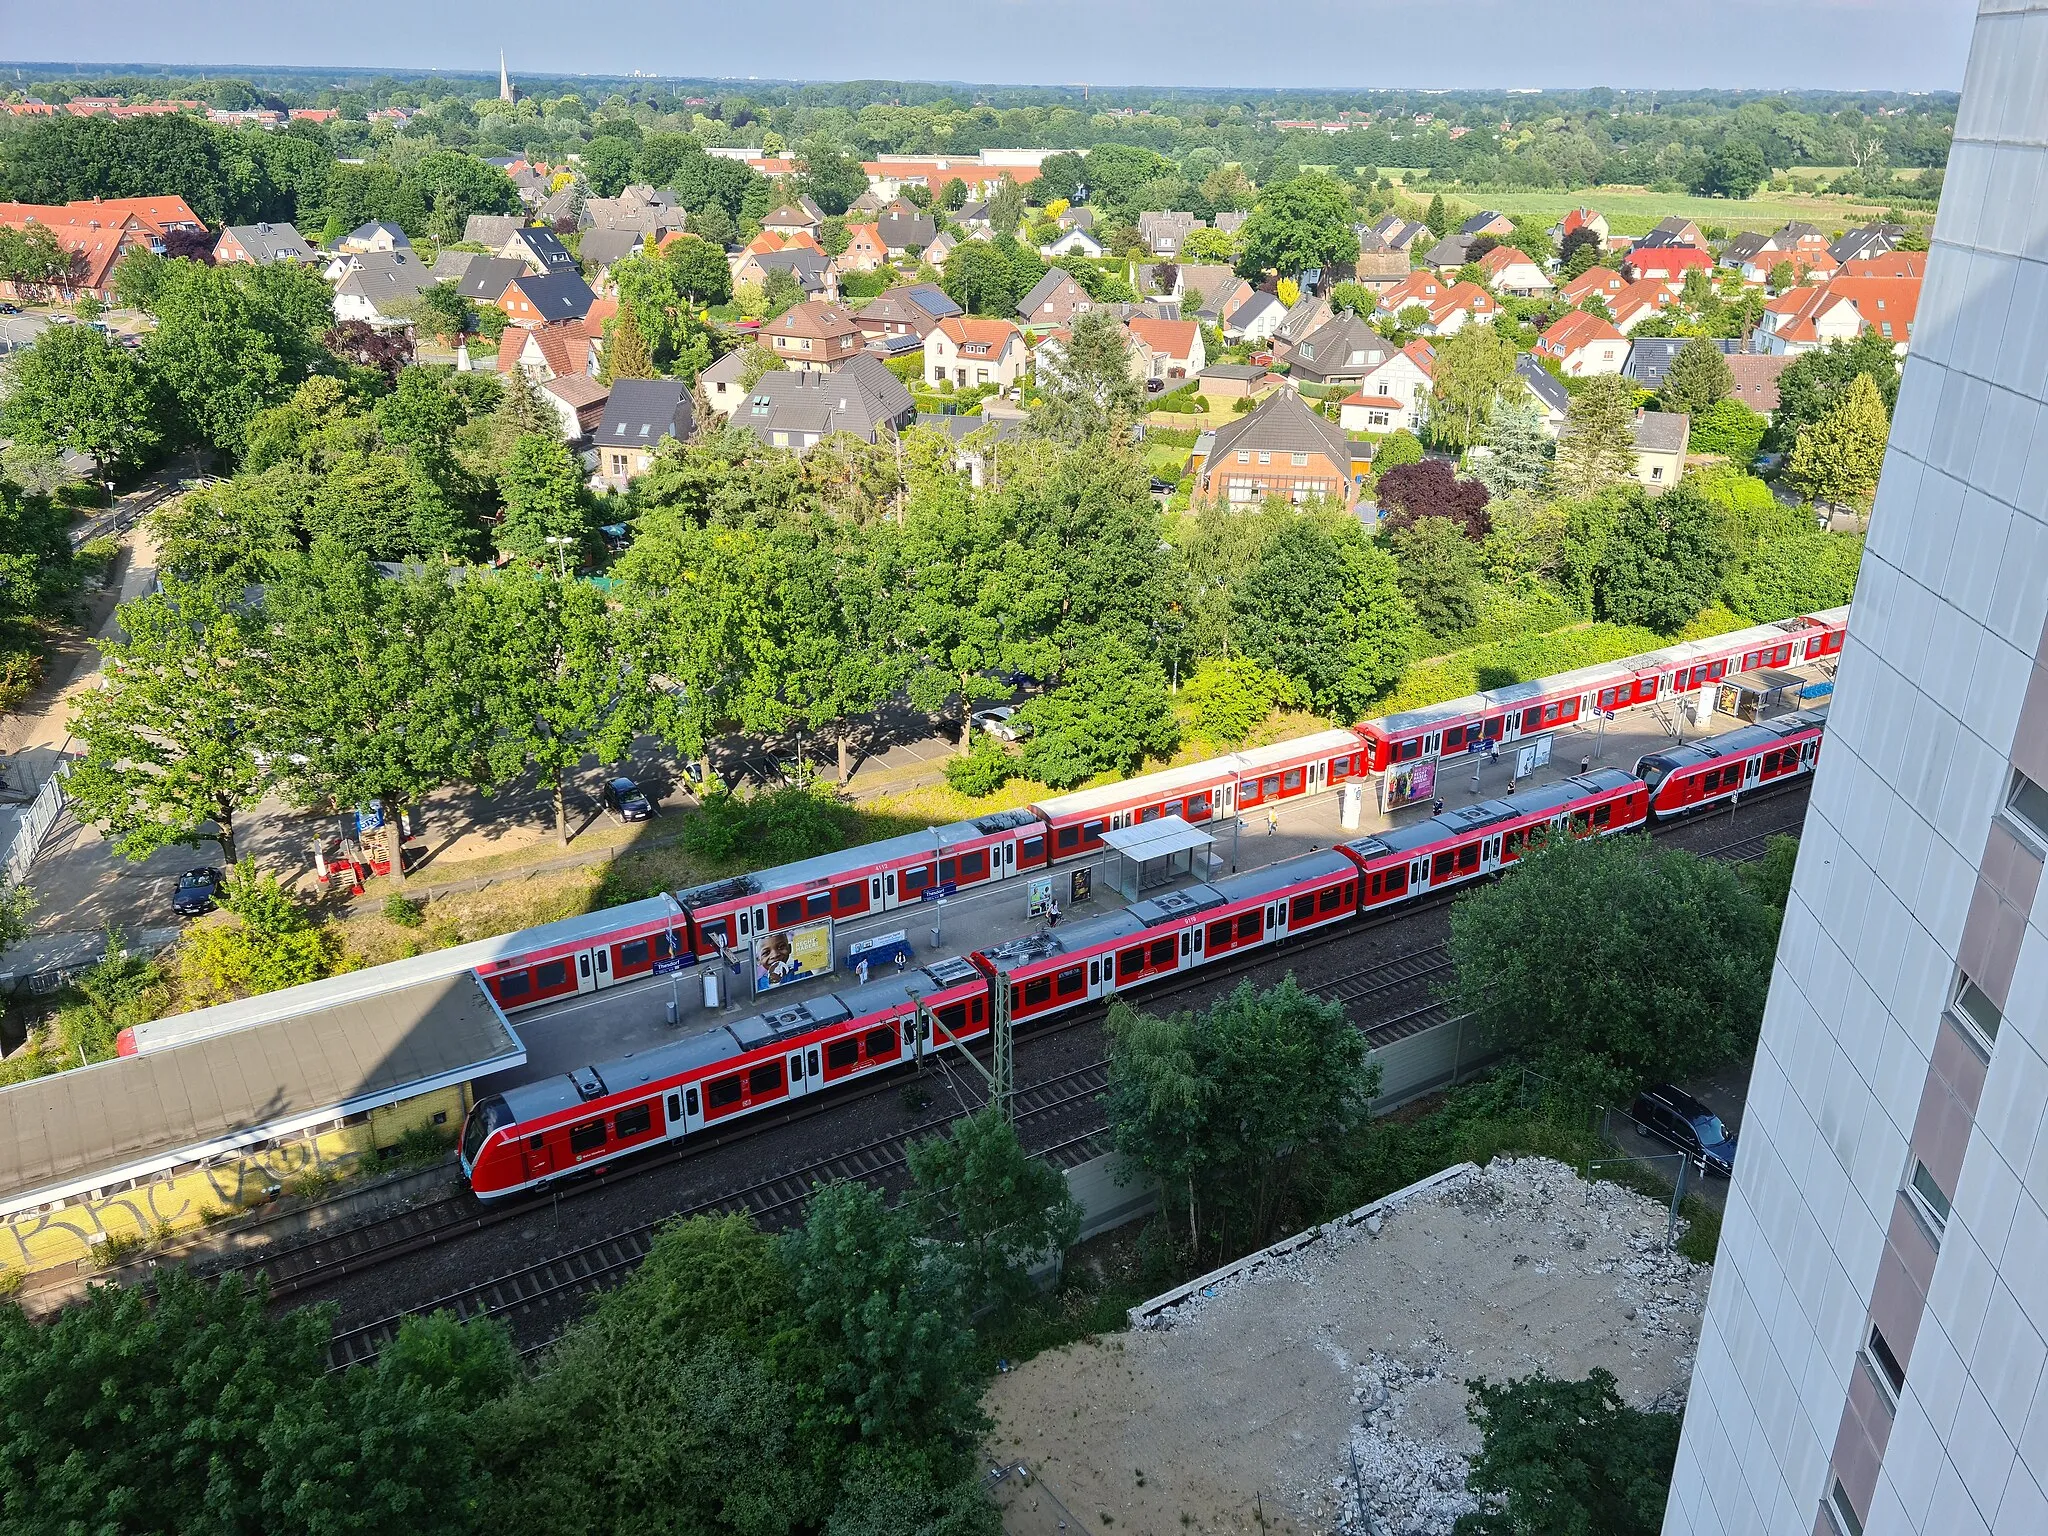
{"type": "Point", "coordinates": [1873, 1352]}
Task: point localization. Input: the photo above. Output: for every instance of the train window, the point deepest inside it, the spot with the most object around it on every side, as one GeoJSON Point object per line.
{"type": "Point", "coordinates": [847, 897]}
{"type": "Point", "coordinates": [877, 1043]}
{"type": "Point", "coordinates": [766, 1078]}
{"type": "Point", "coordinates": [1330, 900]}
{"type": "Point", "coordinates": [675, 1106]}
{"type": "Point", "coordinates": [1219, 934]}
{"type": "Point", "coordinates": [949, 871]}
{"type": "Point", "coordinates": [536, 1142]}
{"type": "Point", "coordinates": [1511, 845]}
{"type": "Point", "coordinates": [587, 1137]}
{"type": "Point", "coordinates": [723, 1091]}
{"type": "Point", "coordinates": [818, 904]}
{"type": "Point", "coordinates": [1250, 924]}
{"type": "Point", "coordinates": [690, 1100]}
{"type": "Point", "coordinates": [1069, 981]}
{"type": "Point", "coordinates": [1454, 738]}
{"type": "Point", "coordinates": [1397, 880]}
{"type": "Point", "coordinates": [637, 1121]}
{"type": "Point", "coordinates": [512, 984]}
{"type": "Point", "coordinates": [1303, 909]}
{"type": "Point", "coordinates": [1340, 768]}
{"type": "Point", "coordinates": [1094, 972]}
{"type": "Point", "coordinates": [1037, 991]}
{"type": "Point", "coordinates": [954, 1016]}
{"type": "Point", "coordinates": [783, 913]}
{"type": "Point", "coordinates": [914, 879]}
{"type": "Point", "coordinates": [1440, 868]}
{"type": "Point", "coordinates": [552, 973]}
{"type": "Point", "coordinates": [1129, 962]}
{"type": "Point", "coordinates": [632, 953]}
{"type": "Point", "coordinates": [1602, 815]}
{"type": "Point", "coordinates": [973, 1010]}
{"type": "Point", "coordinates": [1607, 698]}
{"type": "Point", "coordinates": [841, 1054]}
{"type": "Point", "coordinates": [714, 933]}
{"type": "Point", "coordinates": [1468, 858]}
{"type": "Point", "coordinates": [1411, 748]}
{"type": "Point", "coordinates": [1093, 830]}
{"type": "Point", "coordinates": [1199, 806]}
{"type": "Point", "coordinates": [1031, 850]}
{"type": "Point", "coordinates": [974, 866]}
{"type": "Point", "coordinates": [1162, 951]}
{"type": "Point", "coordinates": [1067, 837]}
{"type": "Point", "coordinates": [1291, 779]}
{"type": "Point", "coordinates": [1372, 887]}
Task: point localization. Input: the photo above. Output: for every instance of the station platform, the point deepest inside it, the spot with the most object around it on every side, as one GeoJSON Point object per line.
{"type": "Point", "coordinates": [597, 1027]}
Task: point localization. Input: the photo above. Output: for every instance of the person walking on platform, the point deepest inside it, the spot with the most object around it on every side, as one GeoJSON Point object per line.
{"type": "Point", "coordinates": [1436, 806]}
{"type": "Point", "coordinates": [1272, 821]}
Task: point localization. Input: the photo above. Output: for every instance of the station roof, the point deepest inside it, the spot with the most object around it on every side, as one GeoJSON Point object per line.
{"type": "Point", "coordinates": [138, 1115]}
{"type": "Point", "coordinates": [1156, 839]}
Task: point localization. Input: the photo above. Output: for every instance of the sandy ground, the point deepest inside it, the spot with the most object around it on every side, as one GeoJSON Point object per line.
{"type": "Point", "coordinates": [1244, 1410]}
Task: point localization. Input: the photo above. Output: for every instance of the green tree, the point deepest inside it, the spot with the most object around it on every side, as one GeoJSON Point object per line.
{"type": "Point", "coordinates": [228, 343]}
{"type": "Point", "coordinates": [1108, 715]}
{"type": "Point", "coordinates": [701, 272]}
{"type": "Point", "coordinates": [1397, 448]}
{"type": "Point", "coordinates": [1699, 377]}
{"type": "Point", "coordinates": [169, 739]}
{"type": "Point", "coordinates": [1816, 382]}
{"type": "Point", "coordinates": [1837, 459]}
{"type": "Point", "coordinates": [608, 164]}
{"type": "Point", "coordinates": [1567, 1458]}
{"type": "Point", "coordinates": [980, 279]}
{"type": "Point", "coordinates": [625, 350]}
{"type": "Point", "coordinates": [1439, 574]}
{"type": "Point", "coordinates": [1734, 169]}
{"type": "Point", "coordinates": [1438, 218]}
{"type": "Point", "coordinates": [547, 515]}
{"type": "Point", "coordinates": [953, 195]}
{"type": "Point", "coordinates": [666, 293]}
{"type": "Point", "coordinates": [441, 310]}
{"type": "Point", "coordinates": [1802, 574]}
{"type": "Point", "coordinates": [1678, 961]}
{"type": "Point", "coordinates": [272, 943]}
{"type": "Point", "coordinates": [1297, 224]}
{"type": "Point", "coordinates": [1324, 608]}
{"type": "Point", "coordinates": [1518, 449]}
{"type": "Point", "coordinates": [1087, 386]}
{"type": "Point", "coordinates": [1001, 1209]}
{"type": "Point", "coordinates": [1663, 560]}
{"type": "Point", "coordinates": [1226, 1107]}
{"type": "Point", "coordinates": [1596, 448]}
{"type": "Point", "coordinates": [1475, 371]}
{"type": "Point", "coordinates": [1729, 428]}
{"type": "Point", "coordinates": [1005, 208]}
{"type": "Point", "coordinates": [75, 389]}
{"type": "Point", "coordinates": [1229, 696]}
{"type": "Point", "coordinates": [833, 178]}
{"type": "Point", "coordinates": [780, 293]}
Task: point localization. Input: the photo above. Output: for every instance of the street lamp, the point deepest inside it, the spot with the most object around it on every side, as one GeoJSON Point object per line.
{"type": "Point", "coordinates": [559, 540]}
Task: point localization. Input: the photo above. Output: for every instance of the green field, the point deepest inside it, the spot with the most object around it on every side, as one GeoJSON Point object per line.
{"type": "Point", "coordinates": [1634, 210]}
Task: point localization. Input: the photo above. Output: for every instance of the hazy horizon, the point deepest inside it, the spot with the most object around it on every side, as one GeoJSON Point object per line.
{"type": "Point", "coordinates": [1878, 45]}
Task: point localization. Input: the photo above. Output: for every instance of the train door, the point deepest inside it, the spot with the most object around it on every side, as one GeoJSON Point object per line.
{"type": "Point", "coordinates": [1276, 920]}
{"type": "Point", "coordinates": [1489, 855]}
{"type": "Point", "coordinates": [1752, 771]}
{"type": "Point", "coordinates": [1101, 977]}
{"type": "Point", "coordinates": [538, 1156]}
{"type": "Point", "coordinates": [586, 973]}
{"type": "Point", "coordinates": [685, 1111]}
{"type": "Point", "coordinates": [1226, 799]}
{"type": "Point", "coordinates": [1418, 875]}
{"type": "Point", "coordinates": [805, 1074]}
{"type": "Point", "coordinates": [1432, 743]}
{"type": "Point", "coordinates": [601, 966]}
{"type": "Point", "coordinates": [1809, 754]}
{"type": "Point", "coordinates": [888, 884]}
{"type": "Point", "coordinates": [1318, 776]}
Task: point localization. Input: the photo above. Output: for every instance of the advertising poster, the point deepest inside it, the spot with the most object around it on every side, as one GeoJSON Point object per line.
{"type": "Point", "coordinates": [1082, 887]}
{"type": "Point", "coordinates": [1041, 895]}
{"type": "Point", "coordinates": [1408, 783]}
{"type": "Point", "coordinates": [795, 954]}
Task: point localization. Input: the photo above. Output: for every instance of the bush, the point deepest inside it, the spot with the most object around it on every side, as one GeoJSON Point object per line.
{"type": "Point", "coordinates": [1229, 695]}
{"type": "Point", "coordinates": [776, 826]}
{"type": "Point", "coordinates": [1729, 428]}
{"type": "Point", "coordinates": [986, 768]}
{"type": "Point", "coordinates": [403, 913]}
{"type": "Point", "coordinates": [1796, 575]}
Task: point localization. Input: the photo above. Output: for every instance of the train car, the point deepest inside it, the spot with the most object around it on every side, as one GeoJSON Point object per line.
{"type": "Point", "coordinates": [1265, 906]}
{"type": "Point", "coordinates": [1056, 969]}
{"type": "Point", "coordinates": [576, 954]}
{"type": "Point", "coordinates": [1288, 770]}
{"type": "Point", "coordinates": [530, 1135]}
{"type": "Point", "coordinates": [1479, 840]}
{"type": "Point", "coordinates": [1195, 792]}
{"type": "Point", "coordinates": [1714, 770]}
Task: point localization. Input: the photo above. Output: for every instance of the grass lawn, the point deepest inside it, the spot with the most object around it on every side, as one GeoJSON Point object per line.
{"type": "Point", "coordinates": [1635, 210]}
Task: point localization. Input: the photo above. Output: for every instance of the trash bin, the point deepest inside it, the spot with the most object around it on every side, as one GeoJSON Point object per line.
{"type": "Point", "coordinates": [714, 987]}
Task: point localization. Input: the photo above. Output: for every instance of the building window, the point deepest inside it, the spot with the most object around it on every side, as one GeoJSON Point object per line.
{"type": "Point", "coordinates": [1977, 1010]}
{"type": "Point", "coordinates": [1265, 458]}
{"type": "Point", "coordinates": [1929, 1198]}
{"type": "Point", "coordinates": [1843, 1512]}
{"type": "Point", "coordinates": [1244, 456]}
{"type": "Point", "coordinates": [1889, 1372]}
{"type": "Point", "coordinates": [618, 463]}
{"type": "Point", "coordinates": [2027, 804]}
{"type": "Point", "coordinates": [1299, 460]}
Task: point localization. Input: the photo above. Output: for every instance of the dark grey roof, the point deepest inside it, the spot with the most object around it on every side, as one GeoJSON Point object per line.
{"type": "Point", "coordinates": [860, 396]}
{"type": "Point", "coordinates": [376, 226]}
{"type": "Point", "coordinates": [1478, 222]}
{"type": "Point", "coordinates": [1241, 371]}
{"type": "Point", "coordinates": [1872, 240]}
{"type": "Point", "coordinates": [1282, 424]}
{"type": "Point", "coordinates": [807, 266]}
{"type": "Point", "coordinates": [381, 276]}
{"type": "Point", "coordinates": [1042, 290]}
{"type": "Point", "coordinates": [961, 427]}
{"type": "Point", "coordinates": [558, 295]}
{"type": "Point", "coordinates": [1650, 357]}
{"type": "Point", "coordinates": [1078, 218]}
{"type": "Point", "coordinates": [1662, 431]}
{"type": "Point", "coordinates": [641, 412]}
{"type": "Point", "coordinates": [899, 233]}
{"type": "Point", "coordinates": [1742, 248]}
{"type": "Point", "coordinates": [271, 242]}
{"type": "Point", "coordinates": [602, 247]}
{"type": "Point", "coordinates": [492, 229]}
{"type": "Point", "coordinates": [1451, 251]}
{"type": "Point", "coordinates": [932, 299]}
{"type": "Point", "coordinates": [1331, 350]}
{"type": "Point", "coordinates": [1542, 384]}
{"type": "Point", "coordinates": [545, 250]}
{"type": "Point", "coordinates": [1399, 233]}
{"type": "Point", "coordinates": [1309, 311]}
{"type": "Point", "coordinates": [487, 277]}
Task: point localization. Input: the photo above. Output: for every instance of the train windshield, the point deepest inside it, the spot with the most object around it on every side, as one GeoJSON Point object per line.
{"type": "Point", "coordinates": [488, 1115]}
{"type": "Point", "coordinates": [1651, 770]}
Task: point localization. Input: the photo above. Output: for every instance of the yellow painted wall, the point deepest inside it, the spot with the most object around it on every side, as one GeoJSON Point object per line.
{"type": "Point", "coordinates": [42, 1239]}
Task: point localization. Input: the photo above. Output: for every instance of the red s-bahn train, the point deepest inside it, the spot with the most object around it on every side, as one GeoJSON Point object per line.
{"type": "Point", "coordinates": [530, 1135]}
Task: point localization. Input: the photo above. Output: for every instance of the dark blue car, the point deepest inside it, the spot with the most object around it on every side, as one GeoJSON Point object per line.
{"type": "Point", "coordinates": [1673, 1115]}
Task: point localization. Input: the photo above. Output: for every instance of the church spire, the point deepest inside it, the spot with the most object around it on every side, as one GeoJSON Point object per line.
{"type": "Point", "coordinates": [504, 80]}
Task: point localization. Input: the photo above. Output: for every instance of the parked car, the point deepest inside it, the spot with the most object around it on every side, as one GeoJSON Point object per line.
{"type": "Point", "coordinates": [1155, 386]}
{"type": "Point", "coordinates": [1001, 723]}
{"type": "Point", "coordinates": [10, 309]}
{"type": "Point", "coordinates": [198, 892]}
{"type": "Point", "coordinates": [626, 800]}
{"type": "Point", "coordinates": [1673, 1115]}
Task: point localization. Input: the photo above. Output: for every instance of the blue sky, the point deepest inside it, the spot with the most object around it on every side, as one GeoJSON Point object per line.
{"type": "Point", "coordinates": [1845, 44]}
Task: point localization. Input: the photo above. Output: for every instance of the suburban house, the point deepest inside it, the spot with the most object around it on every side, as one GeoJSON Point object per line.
{"type": "Point", "coordinates": [1310, 313]}
{"type": "Point", "coordinates": [1804, 318]}
{"type": "Point", "coordinates": [640, 415]}
{"type": "Point", "coordinates": [1603, 283]}
{"type": "Point", "coordinates": [1447, 306]}
{"type": "Point", "coordinates": [900, 319]}
{"type": "Point", "coordinates": [1650, 358]}
{"type": "Point", "coordinates": [604, 249]}
{"type": "Point", "coordinates": [1278, 448]}
{"type": "Point", "coordinates": [967, 351]}
{"type": "Point", "coordinates": [1342, 351]}
{"type": "Point", "coordinates": [890, 174]}
{"type": "Point", "coordinates": [644, 210]}
{"type": "Point", "coordinates": [769, 241]}
{"type": "Point", "coordinates": [1072, 242]}
{"type": "Point", "coordinates": [1165, 233]}
{"type": "Point", "coordinates": [1674, 231]}
{"type": "Point", "coordinates": [1053, 302]}
{"type": "Point", "coordinates": [1511, 271]}
{"type": "Point", "coordinates": [941, 247]}
{"type": "Point", "coordinates": [1665, 264]}
{"type": "Point", "coordinates": [1211, 291]}
{"type": "Point", "coordinates": [1551, 399]}
{"type": "Point", "coordinates": [813, 336]}
{"type": "Point", "coordinates": [577, 400]}
{"type": "Point", "coordinates": [1638, 302]}
{"type": "Point", "coordinates": [1076, 218]}
{"type": "Point", "coordinates": [380, 286]}
{"type": "Point", "coordinates": [1395, 394]}
{"type": "Point", "coordinates": [1756, 380]}
{"type": "Point", "coordinates": [1578, 219]}
{"type": "Point", "coordinates": [491, 229]}
{"type": "Point", "coordinates": [864, 250]}
{"type": "Point", "coordinates": [802, 217]}
{"type": "Point", "coordinates": [547, 351]}
{"type": "Point", "coordinates": [795, 410]}
{"type": "Point", "coordinates": [486, 278]}
{"type": "Point", "coordinates": [1487, 222]}
{"type": "Point", "coordinates": [811, 269]}
{"type": "Point", "coordinates": [540, 249]}
{"type": "Point", "coordinates": [1887, 264]}
{"type": "Point", "coordinates": [1256, 319]}
{"type": "Point", "coordinates": [903, 229]}
{"type": "Point", "coordinates": [1660, 447]}
{"type": "Point", "coordinates": [1583, 345]}
{"type": "Point", "coordinates": [1379, 264]}
{"type": "Point", "coordinates": [721, 382]}
{"type": "Point", "coordinates": [1449, 254]}
{"type": "Point", "coordinates": [1228, 221]}
{"type": "Point", "coordinates": [1871, 240]}
{"type": "Point", "coordinates": [377, 236]}
{"type": "Point", "coordinates": [545, 298]}
{"type": "Point", "coordinates": [1800, 246]}
{"type": "Point", "coordinates": [1397, 233]}
{"type": "Point", "coordinates": [260, 244]}
{"type": "Point", "coordinates": [1173, 348]}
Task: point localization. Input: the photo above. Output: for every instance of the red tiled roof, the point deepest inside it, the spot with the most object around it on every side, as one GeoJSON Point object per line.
{"type": "Point", "coordinates": [1890, 264]}
{"type": "Point", "coordinates": [600, 312]}
{"type": "Point", "coordinates": [1172, 338]}
{"type": "Point", "coordinates": [1671, 259]}
{"type": "Point", "coordinates": [936, 173]}
{"type": "Point", "coordinates": [562, 343]}
{"type": "Point", "coordinates": [1578, 329]}
{"type": "Point", "coordinates": [1604, 281]}
{"type": "Point", "coordinates": [1356, 398]}
{"type": "Point", "coordinates": [967, 330]}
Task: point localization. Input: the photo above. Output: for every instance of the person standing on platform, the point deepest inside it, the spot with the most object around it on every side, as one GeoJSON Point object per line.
{"type": "Point", "coordinates": [1272, 821]}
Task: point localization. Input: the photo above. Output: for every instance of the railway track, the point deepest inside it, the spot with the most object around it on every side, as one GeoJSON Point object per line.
{"type": "Point", "coordinates": [330, 1257]}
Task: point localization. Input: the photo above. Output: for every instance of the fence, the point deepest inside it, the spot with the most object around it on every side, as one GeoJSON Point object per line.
{"type": "Point", "coordinates": [37, 818]}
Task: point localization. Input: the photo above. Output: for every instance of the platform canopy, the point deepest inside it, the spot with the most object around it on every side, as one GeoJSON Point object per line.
{"type": "Point", "coordinates": [1150, 854]}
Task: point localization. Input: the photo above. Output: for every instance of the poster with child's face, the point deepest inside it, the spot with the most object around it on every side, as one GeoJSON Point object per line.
{"type": "Point", "coordinates": [795, 954]}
